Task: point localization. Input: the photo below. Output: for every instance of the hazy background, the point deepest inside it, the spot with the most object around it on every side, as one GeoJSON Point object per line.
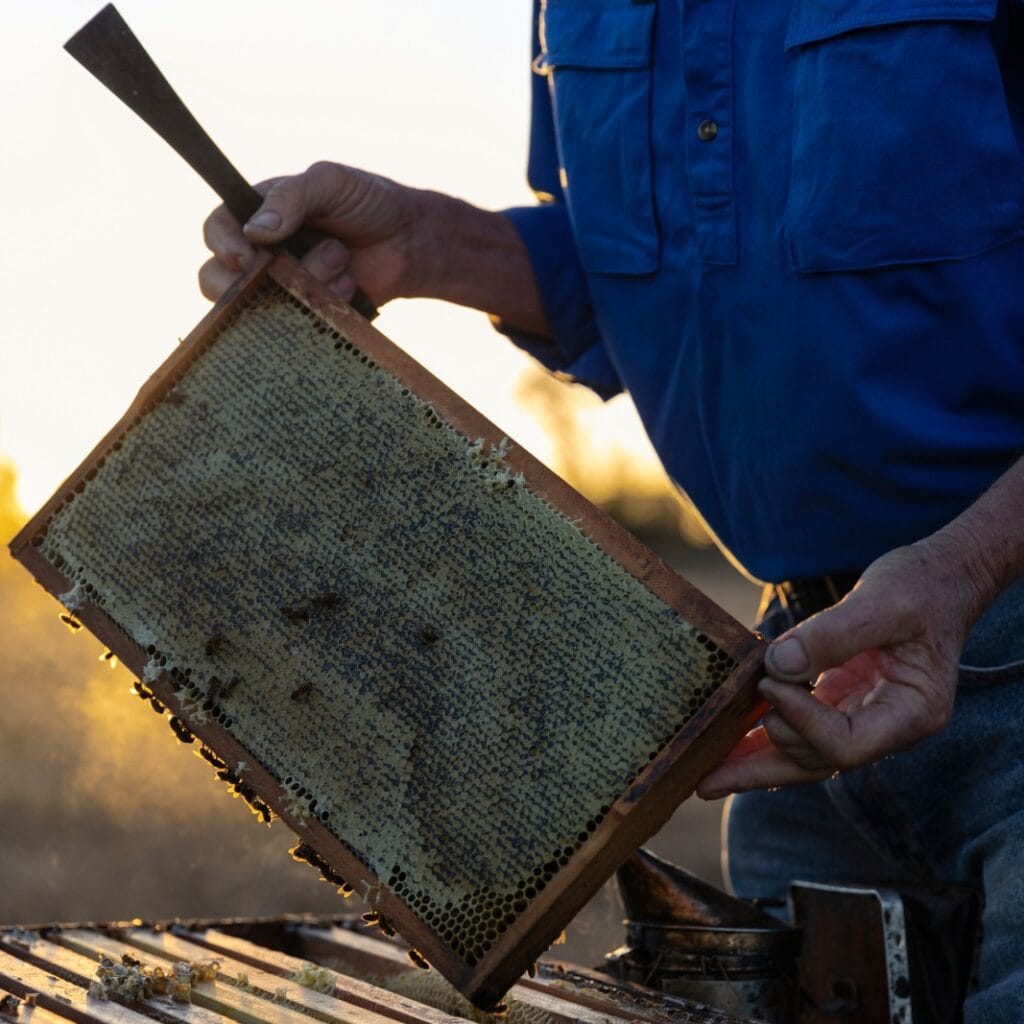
{"type": "Point", "coordinates": [102, 814]}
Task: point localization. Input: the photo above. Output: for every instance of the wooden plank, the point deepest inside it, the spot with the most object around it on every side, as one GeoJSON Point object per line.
{"type": "Point", "coordinates": [360, 953]}
{"type": "Point", "coordinates": [78, 965]}
{"type": "Point", "coordinates": [555, 986]}
{"type": "Point", "coordinates": [28, 1014]}
{"type": "Point", "coordinates": [482, 965]}
{"type": "Point", "coordinates": [67, 970]}
{"type": "Point", "coordinates": [217, 999]}
{"type": "Point", "coordinates": [353, 990]}
{"type": "Point", "coordinates": [350, 1001]}
{"type": "Point", "coordinates": [591, 987]}
{"type": "Point", "coordinates": [64, 998]}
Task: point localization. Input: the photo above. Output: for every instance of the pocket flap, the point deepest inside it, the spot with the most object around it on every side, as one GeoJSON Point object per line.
{"type": "Point", "coordinates": [815, 20]}
{"type": "Point", "coordinates": [597, 35]}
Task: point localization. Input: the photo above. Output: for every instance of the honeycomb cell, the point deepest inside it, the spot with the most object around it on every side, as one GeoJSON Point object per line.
{"type": "Point", "coordinates": [495, 676]}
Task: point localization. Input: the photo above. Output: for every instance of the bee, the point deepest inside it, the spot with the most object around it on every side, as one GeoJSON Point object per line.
{"type": "Point", "coordinates": [260, 809]}
{"type": "Point", "coordinates": [327, 602]}
{"type": "Point", "coordinates": [296, 614]}
{"type": "Point", "coordinates": [214, 644]}
{"type": "Point", "coordinates": [218, 688]}
{"type": "Point", "coordinates": [70, 621]}
{"type": "Point", "coordinates": [109, 657]}
{"type": "Point", "coordinates": [303, 852]}
{"type": "Point", "coordinates": [129, 961]}
{"type": "Point", "coordinates": [156, 705]}
{"type": "Point", "coordinates": [371, 917]}
{"type": "Point", "coordinates": [386, 927]}
{"type": "Point", "coordinates": [328, 874]}
{"type": "Point", "coordinates": [531, 971]}
{"type": "Point", "coordinates": [209, 756]}
{"type": "Point", "coordinates": [179, 730]}
{"type": "Point", "coordinates": [418, 959]}
{"type": "Point", "coordinates": [302, 691]}
{"type": "Point", "coordinates": [500, 1010]}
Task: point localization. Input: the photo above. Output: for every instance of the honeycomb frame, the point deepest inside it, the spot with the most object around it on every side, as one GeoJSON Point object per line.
{"type": "Point", "coordinates": [523, 922]}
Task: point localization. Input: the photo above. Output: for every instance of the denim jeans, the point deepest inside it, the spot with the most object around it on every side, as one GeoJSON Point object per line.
{"type": "Point", "coordinates": [951, 809]}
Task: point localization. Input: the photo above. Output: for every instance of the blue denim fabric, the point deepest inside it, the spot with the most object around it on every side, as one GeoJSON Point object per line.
{"type": "Point", "coordinates": [951, 809]}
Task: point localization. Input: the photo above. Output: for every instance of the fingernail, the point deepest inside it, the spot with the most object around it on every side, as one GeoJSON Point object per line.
{"type": "Point", "coordinates": [332, 255]}
{"type": "Point", "coordinates": [789, 657]}
{"type": "Point", "coordinates": [268, 220]}
{"type": "Point", "coordinates": [344, 288]}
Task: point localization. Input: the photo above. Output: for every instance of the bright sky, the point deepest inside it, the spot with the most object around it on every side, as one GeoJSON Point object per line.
{"type": "Point", "coordinates": [102, 225]}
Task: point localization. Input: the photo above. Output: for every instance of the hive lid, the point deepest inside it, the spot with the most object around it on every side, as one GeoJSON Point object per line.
{"type": "Point", "coordinates": [470, 693]}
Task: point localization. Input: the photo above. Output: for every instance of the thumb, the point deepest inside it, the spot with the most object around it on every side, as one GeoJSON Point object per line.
{"type": "Point", "coordinates": [284, 211]}
{"type": "Point", "coordinates": [858, 623]}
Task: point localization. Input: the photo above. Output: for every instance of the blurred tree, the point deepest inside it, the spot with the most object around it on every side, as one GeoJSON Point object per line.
{"type": "Point", "coordinates": [623, 477]}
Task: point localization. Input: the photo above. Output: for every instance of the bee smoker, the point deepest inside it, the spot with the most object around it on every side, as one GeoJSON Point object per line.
{"type": "Point", "coordinates": [686, 938]}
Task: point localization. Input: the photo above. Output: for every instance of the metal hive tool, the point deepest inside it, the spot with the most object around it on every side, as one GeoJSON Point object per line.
{"type": "Point", "coordinates": [468, 692]}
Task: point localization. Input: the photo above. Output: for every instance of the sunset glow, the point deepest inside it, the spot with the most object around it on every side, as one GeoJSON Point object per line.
{"type": "Point", "coordinates": [103, 240]}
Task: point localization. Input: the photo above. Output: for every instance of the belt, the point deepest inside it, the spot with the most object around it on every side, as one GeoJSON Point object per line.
{"type": "Point", "coordinates": [804, 598]}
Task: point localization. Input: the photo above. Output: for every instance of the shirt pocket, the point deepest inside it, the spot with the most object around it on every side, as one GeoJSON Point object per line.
{"type": "Point", "coordinates": [597, 56]}
{"type": "Point", "coordinates": [903, 150]}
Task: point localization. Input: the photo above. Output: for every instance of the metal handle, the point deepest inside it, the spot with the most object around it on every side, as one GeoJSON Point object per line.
{"type": "Point", "coordinates": [107, 48]}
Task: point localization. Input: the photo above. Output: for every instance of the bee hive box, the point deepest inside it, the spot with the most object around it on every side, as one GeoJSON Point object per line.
{"type": "Point", "coordinates": [469, 693]}
{"type": "Point", "coordinates": [221, 972]}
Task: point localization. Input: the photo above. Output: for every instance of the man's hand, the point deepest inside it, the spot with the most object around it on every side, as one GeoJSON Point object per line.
{"type": "Point", "coordinates": [388, 240]}
{"type": "Point", "coordinates": [371, 223]}
{"type": "Point", "coordinates": [885, 663]}
{"type": "Point", "coordinates": [885, 658]}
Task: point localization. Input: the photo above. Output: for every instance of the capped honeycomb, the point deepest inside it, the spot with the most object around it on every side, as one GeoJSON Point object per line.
{"type": "Point", "coordinates": [436, 665]}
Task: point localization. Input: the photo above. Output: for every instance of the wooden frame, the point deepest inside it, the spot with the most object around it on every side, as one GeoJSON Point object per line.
{"type": "Point", "coordinates": [638, 812]}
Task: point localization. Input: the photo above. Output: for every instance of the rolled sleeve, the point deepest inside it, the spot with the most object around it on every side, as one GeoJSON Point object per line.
{"type": "Point", "coordinates": [575, 348]}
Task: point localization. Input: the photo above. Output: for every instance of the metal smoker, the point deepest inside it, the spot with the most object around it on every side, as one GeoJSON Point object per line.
{"type": "Point", "coordinates": [687, 938]}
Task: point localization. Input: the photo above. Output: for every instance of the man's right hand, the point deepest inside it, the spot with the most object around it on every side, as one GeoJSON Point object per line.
{"type": "Point", "coordinates": [371, 224]}
{"type": "Point", "coordinates": [388, 240]}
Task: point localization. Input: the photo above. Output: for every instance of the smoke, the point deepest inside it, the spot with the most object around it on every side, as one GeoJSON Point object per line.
{"type": "Point", "coordinates": [103, 814]}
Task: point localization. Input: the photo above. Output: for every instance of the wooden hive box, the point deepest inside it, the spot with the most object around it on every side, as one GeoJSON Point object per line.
{"type": "Point", "coordinates": [468, 692]}
{"type": "Point", "coordinates": [282, 971]}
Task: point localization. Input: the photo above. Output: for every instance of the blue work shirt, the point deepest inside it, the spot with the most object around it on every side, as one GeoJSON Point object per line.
{"type": "Point", "coordinates": [793, 232]}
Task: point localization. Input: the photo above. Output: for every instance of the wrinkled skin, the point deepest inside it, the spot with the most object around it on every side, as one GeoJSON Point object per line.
{"type": "Point", "coordinates": [387, 239]}
{"type": "Point", "coordinates": [883, 664]}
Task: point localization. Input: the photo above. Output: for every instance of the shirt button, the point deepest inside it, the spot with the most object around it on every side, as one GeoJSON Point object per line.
{"type": "Point", "coordinates": [707, 130]}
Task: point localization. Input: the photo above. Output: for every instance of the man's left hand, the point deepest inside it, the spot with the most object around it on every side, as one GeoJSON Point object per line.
{"type": "Point", "coordinates": [884, 665]}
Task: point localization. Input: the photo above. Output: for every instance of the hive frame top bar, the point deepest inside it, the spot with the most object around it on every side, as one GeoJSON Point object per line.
{"type": "Point", "coordinates": [638, 812]}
